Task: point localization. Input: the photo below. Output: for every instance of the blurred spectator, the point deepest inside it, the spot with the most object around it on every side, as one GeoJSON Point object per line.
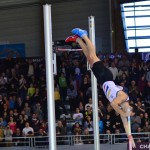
{"type": "Point", "coordinates": [133, 72]}
{"type": "Point", "coordinates": [13, 90]}
{"type": "Point", "coordinates": [72, 94]}
{"type": "Point", "coordinates": [35, 122]}
{"type": "Point", "coordinates": [44, 127]}
{"type": "Point", "coordinates": [17, 138]}
{"type": "Point", "coordinates": [107, 137]}
{"type": "Point", "coordinates": [145, 119]}
{"type": "Point", "coordinates": [123, 63]}
{"type": "Point", "coordinates": [118, 136]}
{"type": "Point", "coordinates": [3, 85]}
{"type": "Point", "coordinates": [77, 129]}
{"type": "Point", "coordinates": [125, 89]}
{"type": "Point", "coordinates": [142, 68]}
{"type": "Point", "coordinates": [1, 136]}
{"type": "Point", "coordinates": [63, 86]}
{"type": "Point", "coordinates": [5, 108]}
{"type": "Point", "coordinates": [89, 124]}
{"type": "Point", "coordinates": [19, 104]}
{"type": "Point", "coordinates": [81, 107]}
{"type": "Point", "coordinates": [37, 95]}
{"type": "Point", "coordinates": [15, 114]}
{"type": "Point", "coordinates": [78, 116]}
{"type": "Point", "coordinates": [146, 127]}
{"type": "Point", "coordinates": [87, 138]}
{"type": "Point", "coordinates": [77, 74]}
{"type": "Point", "coordinates": [140, 107]}
{"type": "Point", "coordinates": [25, 117]}
{"type": "Point", "coordinates": [101, 126]}
{"type": "Point", "coordinates": [117, 123]}
{"type": "Point", "coordinates": [142, 84]}
{"type": "Point", "coordinates": [101, 109]}
{"type": "Point", "coordinates": [108, 123]}
{"type": "Point", "coordinates": [139, 137]}
{"type": "Point", "coordinates": [3, 123]}
{"type": "Point", "coordinates": [1, 105]}
{"type": "Point", "coordinates": [21, 122]}
{"type": "Point", "coordinates": [146, 93]}
{"type": "Point", "coordinates": [89, 104]}
{"type": "Point", "coordinates": [85, 84]}
{"type": "Point", "coordinates": [27, 109]}
{"type": "Point", "coordinates": [31, 90]}
{"type": "Point", "coordinates": [28, 100]}
{"type": "Point", "coordinates": [38, 111]}
{"type": "Point", "coordinates": [5, 117]}
{"type": "Point", "coordinates": [22, 87]}
{"type": "Point", "coordinates": [12, 124]}
{"type": "Point", "coordinates": [135, 122]}
{"type": "Point", "coordinates": [148, 75]}
{"type": "Point", "coordinates": [30, 68]}
{"type": "Point", "coordinates": [41, 138]}
{"type": "Point", "coordinates": [60, 132]}
{"type": "Point", "coordinates": [6, 101]}
{"type": "Point", "coordinates": [88, 112]}
{"type": "Point", "coordinates": [80, 97]}
{"type": "Point", "coordinates": [11, 102]}
{"type": "Point", "coordinates": [58, 103]}
{"type": "Point", "coordinates": [8, 136]}
{"type": "Point", "coordinates": [13, 81]}
{"type": "Point", "coordinates": [133, 91]}
{"type": "Point", "coordinates": [27, 130]}
{"type": "Point", "coordinates": [114, 71]}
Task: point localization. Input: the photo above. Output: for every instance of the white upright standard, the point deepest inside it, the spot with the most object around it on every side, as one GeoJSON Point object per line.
{"type": "Point", "coordinates": [94, 89]}
{"type": "Point", "coordinates": [49, 76]}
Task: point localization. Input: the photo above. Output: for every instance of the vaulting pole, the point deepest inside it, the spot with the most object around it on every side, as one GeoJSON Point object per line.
{"type": "Point", "coordinates": [49, 76]}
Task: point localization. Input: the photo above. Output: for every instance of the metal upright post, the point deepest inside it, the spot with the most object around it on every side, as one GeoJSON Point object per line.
{"type": "Point", "coordinates": [94, 89]}
{"type": "Point", "coordinates": [49, 76]}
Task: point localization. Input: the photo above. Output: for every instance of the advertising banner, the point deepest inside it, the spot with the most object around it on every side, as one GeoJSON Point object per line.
{"type": "Point", "coordinates": [13, 50]}
{"type": "Point", "coordinates": [141, 146]}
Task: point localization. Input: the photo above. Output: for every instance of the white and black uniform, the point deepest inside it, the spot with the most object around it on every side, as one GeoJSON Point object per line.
{"type": "Point", "coordinates": [105, 78]}
{"type": "Point", "coordinates": [111, 90]}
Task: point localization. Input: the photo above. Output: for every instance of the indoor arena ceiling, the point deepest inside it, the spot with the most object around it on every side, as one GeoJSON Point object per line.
{"type": "Point", "coordinates": [10, 3]}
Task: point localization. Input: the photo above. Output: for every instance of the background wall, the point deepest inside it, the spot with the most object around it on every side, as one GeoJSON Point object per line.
{"type": "Point", "coordinates": [68, 15]}
{"type": "Point", "coordinates": [24, 24]}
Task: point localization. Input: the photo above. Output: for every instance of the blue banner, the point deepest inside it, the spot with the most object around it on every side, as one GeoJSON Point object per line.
{"type": "Point", "coordinates": [12, 50]}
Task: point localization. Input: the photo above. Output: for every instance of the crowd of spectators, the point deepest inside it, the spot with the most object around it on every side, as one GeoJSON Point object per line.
{"type": "Point", "coordinates": [23, 96]}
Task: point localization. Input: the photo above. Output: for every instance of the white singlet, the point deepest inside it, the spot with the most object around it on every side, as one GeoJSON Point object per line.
{"type": "Point", "coordinates": [111, 90]}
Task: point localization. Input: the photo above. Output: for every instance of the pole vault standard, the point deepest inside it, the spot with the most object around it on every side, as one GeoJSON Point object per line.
{"type": "Point", "coordinates": [94, 89]}
{"type": "Point", "coordinates": [49, 76]}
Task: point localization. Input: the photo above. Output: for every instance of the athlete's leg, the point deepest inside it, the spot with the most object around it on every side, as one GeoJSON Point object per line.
{"type": "Point", "coordinates": [76, 38]}
{"type": "Point", "coordinates": [83, 46]}
{"type": "Point", "coordinates": [91, 54]}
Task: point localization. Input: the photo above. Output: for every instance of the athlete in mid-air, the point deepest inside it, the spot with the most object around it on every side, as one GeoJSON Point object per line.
{"type": "Point", "coordinates": [118, 99]}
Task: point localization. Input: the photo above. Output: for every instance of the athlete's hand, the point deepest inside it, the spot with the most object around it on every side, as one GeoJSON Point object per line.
{"type": "Point", "coordinates": [132, 141]}
{"type": "Point", "coordinates": [128, 113]}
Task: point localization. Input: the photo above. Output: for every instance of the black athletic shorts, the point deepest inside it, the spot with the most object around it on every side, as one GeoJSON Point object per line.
{"type": "Point", "coordinates": [102, 73]}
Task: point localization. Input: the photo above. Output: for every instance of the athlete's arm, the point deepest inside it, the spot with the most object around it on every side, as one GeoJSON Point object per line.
{"type": "Point", "coordinates": [125, 124]}
{"type": "Point", "coordinates": [117, 108]}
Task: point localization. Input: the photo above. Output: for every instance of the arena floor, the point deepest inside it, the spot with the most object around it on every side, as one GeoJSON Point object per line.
{"type": "Point", "coordinates": [75, 147]}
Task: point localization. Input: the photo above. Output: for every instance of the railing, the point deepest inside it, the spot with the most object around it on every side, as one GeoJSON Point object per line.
{"type": "Point", "coordinates": [42, 141]}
